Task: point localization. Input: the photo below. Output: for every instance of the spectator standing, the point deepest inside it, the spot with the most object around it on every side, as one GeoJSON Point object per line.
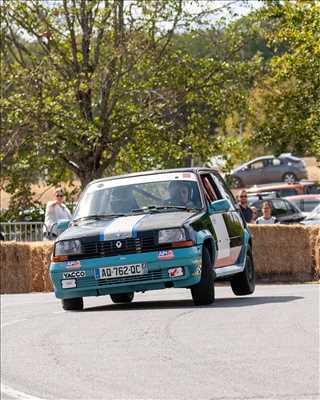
{"type": "Point", "coordinates": [244, 207]}
{"type": "Point", "coordinates": [254, 215]}
{"type": "Point", "coordinates": [266, 217]}
{"type": "Point", "coordinates": [55, 211]}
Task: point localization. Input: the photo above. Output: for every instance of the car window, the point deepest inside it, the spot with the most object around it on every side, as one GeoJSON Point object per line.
{"type": "Point", "coordinates": [279, 207]}
{"type": "Point", "coordinates": [309, 205]}
{"type": "Point", "coordinates": [127, 198]}
{"type": "Point", "coordinates": [275, 162]}
{"type": "Point", "coordinates": [312, 189]}
{"type": "Point", "coordinates": [257, 165]}
{"type": "Point", "coordinates": [210, 191]}
{"type": "Point", "coordinates": [224, 191]}
{"type": "Point", "coordinates": [288, 192]}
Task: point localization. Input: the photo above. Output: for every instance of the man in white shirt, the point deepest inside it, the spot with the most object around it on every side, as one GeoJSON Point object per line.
{"type": "Point", "coordinates": [55, 211]}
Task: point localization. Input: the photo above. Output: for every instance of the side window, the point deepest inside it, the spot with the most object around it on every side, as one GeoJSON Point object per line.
{"type": "Point", "coordinates": [288, 192]}
{"type": "Point", "coordinates": [279, 207]}
{"type": "Point", "coordinates": [275, 162]}
{"type": "Point", "coordinates": [257, 165]}
{"type": "Point", "coordinates": [224, 191]}
{"type": "Point", "coordinates": [209, 189]}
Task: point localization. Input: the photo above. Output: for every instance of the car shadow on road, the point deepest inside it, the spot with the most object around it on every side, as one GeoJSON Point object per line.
{"type": "Point", "coordinates": [179, 304]}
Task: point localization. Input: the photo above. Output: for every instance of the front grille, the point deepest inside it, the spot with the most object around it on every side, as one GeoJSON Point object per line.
{"type": "Point", "coordinates": [145, 242]}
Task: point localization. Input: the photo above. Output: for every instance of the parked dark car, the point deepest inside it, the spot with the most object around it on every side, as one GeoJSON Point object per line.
{"type": "Point", "coordinates": [282, 209]}
{"type": "Point", "coordinates": [286, 168]}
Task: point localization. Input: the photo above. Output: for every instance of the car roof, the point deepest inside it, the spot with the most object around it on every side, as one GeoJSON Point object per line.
{"type": "Point", "coordinates": [195, 170]}
{"type": "Point", "coordinates": [304, 197]}
{"type": "Point", "coordinates": [278, 185]}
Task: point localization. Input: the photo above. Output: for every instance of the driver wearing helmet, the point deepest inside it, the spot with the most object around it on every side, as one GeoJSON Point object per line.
{"type": "Point", "coordinates": [180, 194]}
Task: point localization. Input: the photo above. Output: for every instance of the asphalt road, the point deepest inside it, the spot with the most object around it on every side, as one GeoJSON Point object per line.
{"type": "Point", "coordinates": [264, 346]}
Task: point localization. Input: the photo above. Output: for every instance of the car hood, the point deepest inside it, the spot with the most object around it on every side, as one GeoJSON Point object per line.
{"type": "Point", "coordinates": [125, 227]}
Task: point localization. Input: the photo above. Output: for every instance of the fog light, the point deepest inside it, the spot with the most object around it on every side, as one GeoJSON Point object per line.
{"type": "Point", "coordinates": [174, 272]}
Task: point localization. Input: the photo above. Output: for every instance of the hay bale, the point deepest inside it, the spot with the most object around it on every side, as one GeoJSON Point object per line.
{"type": "Point", "coordinates": [15, 268]}
{"type": "Point", "coordinates": [283, 252]}
{"type": "Point", "coordinates": [40, 260]}
{"type": "Point", "coordinates": [314, 233]}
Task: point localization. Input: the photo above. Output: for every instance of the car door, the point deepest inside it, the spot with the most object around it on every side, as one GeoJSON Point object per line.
{"type": "Point", "coordinates": [228, 226]}
{"type": "Point", "coordinates": [254, 174]}
{"type": "Point", "coordinates": [273, 170]}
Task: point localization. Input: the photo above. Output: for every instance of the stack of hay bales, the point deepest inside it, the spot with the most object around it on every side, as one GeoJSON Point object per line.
{"type": "Point", "coordinates": [24, 267]}
{"type": "Point", "coordinates": [285, 252]}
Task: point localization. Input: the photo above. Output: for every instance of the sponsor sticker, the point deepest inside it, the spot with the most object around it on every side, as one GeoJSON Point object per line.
{"type": "Point", "coordinates": [74, 274]}
{"type": "Point", "coordinates": [73, 264]}
{"type": "Point", "coordinates": [175, 272]}
{"type": "Point", "coordinates": [166, 255]}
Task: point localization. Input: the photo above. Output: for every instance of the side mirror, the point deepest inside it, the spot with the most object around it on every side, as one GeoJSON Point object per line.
{"type": "Point", "coordinates": [63, 224]}
{"type": "Point", "coordinates": [219, 206]}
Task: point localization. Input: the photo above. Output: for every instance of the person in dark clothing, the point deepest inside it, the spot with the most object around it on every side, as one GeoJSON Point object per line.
{"type": "Point", "coordinates": [244, 207]}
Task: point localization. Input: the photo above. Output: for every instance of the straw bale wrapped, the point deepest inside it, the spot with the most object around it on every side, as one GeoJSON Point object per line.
{"type": "Point", "coordinates": [40, 260]}
{"type": "Point", "coordinates": [15, 267]}
{"type": "Point", "coordinates": [283, 252]}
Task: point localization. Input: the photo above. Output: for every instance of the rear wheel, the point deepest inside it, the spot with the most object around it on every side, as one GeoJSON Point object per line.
{"type": "Point", "coordinates": [122, 297]}
{"type": "Point", "coordinates": [289, 177]}
{"type": "Point", "coordinates": [72, 304]}
{"type": "Point", "coordinates": [245, 282]}
{"type": "Point", "coordinates": [203, 292]}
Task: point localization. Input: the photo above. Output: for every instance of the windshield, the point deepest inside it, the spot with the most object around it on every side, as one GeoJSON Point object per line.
{"type": "Point", "coordinates": [151, 193]}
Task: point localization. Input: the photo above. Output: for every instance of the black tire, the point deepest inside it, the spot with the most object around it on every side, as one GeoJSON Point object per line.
{"type": "Point", "coordinates": [245, 282]}
{"type": "Point", "coordinates": [289, 177]}
{"type": "Point", "coordinates": [122, 297]}
{"type": "Point", "coordinates": [203, 292]}
{"type": "Point", "coordinates": [73, 304]}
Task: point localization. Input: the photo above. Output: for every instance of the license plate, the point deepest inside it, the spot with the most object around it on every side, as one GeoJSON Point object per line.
{"type": "Point", "coordinates": [121, 271]}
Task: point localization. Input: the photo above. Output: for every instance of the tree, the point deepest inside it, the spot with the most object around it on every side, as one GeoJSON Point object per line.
{"type": "Point", "coordinates": [79, 80]}
{"type": "Point", "coordinates": [285, 104]}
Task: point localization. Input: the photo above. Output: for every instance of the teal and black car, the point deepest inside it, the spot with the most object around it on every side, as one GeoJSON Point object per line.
{"type": "Point", "coordinates": [177, 228]}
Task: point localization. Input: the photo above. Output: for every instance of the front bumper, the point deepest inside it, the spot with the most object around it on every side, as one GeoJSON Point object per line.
{"type": "Point", "coordinates": [157, 277]}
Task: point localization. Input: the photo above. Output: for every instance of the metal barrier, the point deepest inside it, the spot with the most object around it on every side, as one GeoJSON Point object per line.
{"type": "Point", "coordinates": [22, 231]}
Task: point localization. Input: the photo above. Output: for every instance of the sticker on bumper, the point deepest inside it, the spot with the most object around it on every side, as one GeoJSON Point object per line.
{"type": "Point", "coordinates": [166, 255]}
{"type": "Point", "coordinates": [74, 274]}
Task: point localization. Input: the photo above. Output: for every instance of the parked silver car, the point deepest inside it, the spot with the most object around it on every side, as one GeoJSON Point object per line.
{"type": "Point", "coordinates": [286, 168]}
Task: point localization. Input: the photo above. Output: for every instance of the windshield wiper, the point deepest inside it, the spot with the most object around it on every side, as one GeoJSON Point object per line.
{"type": "Point", "coordinates": [98, 216]}
{"type": "Point", "coordinates": [160, 208]}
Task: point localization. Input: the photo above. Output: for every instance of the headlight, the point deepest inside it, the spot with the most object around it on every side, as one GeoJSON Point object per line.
{"type": "Point", "coordinates": [172, 235]}
{"type": "Point", "coordinates": [67, 247]}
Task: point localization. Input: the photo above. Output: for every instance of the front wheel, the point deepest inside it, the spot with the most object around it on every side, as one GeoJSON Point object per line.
{"type": "Point", "coordinates": [122, 297]}
{"type": "Point", "coordinates": [245, 282]}
{"type": "Point", "coordinates": [72, 304]}
{"type": "Point", "coordinates": [203, 292]}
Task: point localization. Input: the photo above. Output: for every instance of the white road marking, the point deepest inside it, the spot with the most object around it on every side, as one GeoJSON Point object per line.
{"type": "Point", "coordinates": [16, 394]}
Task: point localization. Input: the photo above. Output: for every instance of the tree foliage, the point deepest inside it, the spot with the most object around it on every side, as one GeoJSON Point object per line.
{"type": "Point", "coordinates": [285, 103]}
